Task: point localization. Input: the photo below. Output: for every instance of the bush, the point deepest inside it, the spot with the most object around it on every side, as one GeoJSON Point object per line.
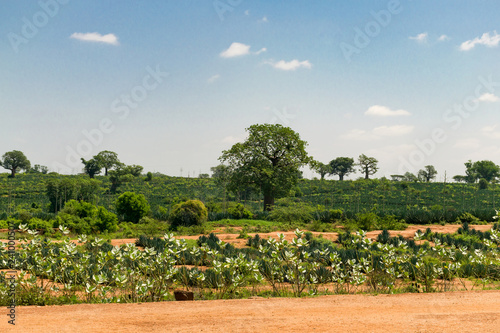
{"type": "Point", "coordinates": [289, 211]}
{"type": "Point", "coordinates": [188, 213]}
{"type": "Point", "coordinates": [132, 207]}
{"type": "Point", "coordinates": [85, 218]}
{"type": "Point", "coordinates": [483, 184]}
{"type": "Point", "coordinates": [238, 211]}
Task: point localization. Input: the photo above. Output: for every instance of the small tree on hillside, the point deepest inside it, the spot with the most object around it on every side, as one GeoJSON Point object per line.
{"type": "Point", "coordinates": [92, 167]}
{"type": "Point", "coordinates": [108, 159]}
{"type": "Point", "coordinates": [427, 174]}
{"type": "Point", "coordinates": [15, 160]}
{"type": "Point", "coordinates": [368, 165]}
{"type": "Point", "coordinates": [342, 166]}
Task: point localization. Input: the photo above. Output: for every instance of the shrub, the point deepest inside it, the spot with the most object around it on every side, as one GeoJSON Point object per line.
{"type": "Point", "coordinates": [238, 211]}
{"type": "Point", "coordinates": [188, 213]}
{"type": "Point", "coordinates": [288, 211]}
{"type": "Point", "coordinates": [132, 207]}
{"type": "Point", "coordinates": [85, 218]}
{"type": "Point", "coordinates": [367, 221]}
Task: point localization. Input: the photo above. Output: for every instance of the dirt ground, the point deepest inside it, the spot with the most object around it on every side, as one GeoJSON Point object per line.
{"type": "Point", "coordinates": [473, 311]}
{"type": "Point", "coordinates": [409, 233]}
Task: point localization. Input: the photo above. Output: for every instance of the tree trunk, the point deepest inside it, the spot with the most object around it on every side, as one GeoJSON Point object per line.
{"type": "Point", "coordinates": [367, 175]}
{"type": "Point", "coordinates": [341, 176]}
{"type": "Point", "coordinates": [268, 202]}
{"type": "Point", "coordinates": [12, 173]}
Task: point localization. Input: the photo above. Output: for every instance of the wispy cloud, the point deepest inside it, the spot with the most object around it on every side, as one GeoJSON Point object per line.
{"type": "Point", "coordinates": [239, 49]}
{"type": "Point", "coordinates": [378, 132]}
{"type": "Point", "coordinates": [488, 97]}
{"type": "Point", "coordinates": [96, 37]}
{"type": "Point", "coordinates": [384, 111]}
{"type": "Point", "coordinates": [264, 19]}
{"type": "Point", "coordinates": [213, 78]}
{"type": "Point", "coordinates": [290, 65]}
{"type": "Point", "coordinates": [421, 38]}
{"type": "Point", "coordinates": [359, 134]}
{"type": "Point", "coordinates": [395, 130]}
{"type": "Point", "coordinates": [485, 40]}
{"type": "Point", "coordinates": [468, 143]}
{"type": "Point", "coordinates": [235, 50]}
{"type": "Point", "coordinates": [491, 132]}
{"type": "Point", "coordinates": [260, 51]}
{"type": "Point", "coordinates": [443, 38]}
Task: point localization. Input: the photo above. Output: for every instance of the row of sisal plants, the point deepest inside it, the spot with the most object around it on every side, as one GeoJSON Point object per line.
{"type": "Point", "coordinates": [92, 270]}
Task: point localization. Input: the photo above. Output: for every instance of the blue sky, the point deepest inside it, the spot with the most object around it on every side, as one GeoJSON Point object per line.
{"type": "Point", "coordinates": [170, 84]}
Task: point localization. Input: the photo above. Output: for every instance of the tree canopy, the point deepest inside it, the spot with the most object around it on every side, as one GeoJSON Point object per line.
{"type": "Point", "coordinates": [368, 165]}
{"type": "Point", "coordinates": [269, 161]}
{"type": "Point", "coordinates": [15, 160]}
{"type": "Point", "coordinates": [108, 159]}
{"type": "Point", "coordinates": [427, 174]}
{"type": "Point", "coordinates": [342, 166]}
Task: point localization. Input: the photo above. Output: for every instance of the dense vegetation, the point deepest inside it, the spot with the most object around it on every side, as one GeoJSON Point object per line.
{"type": "Point", "coordinates": [42, 195]}
{"type": "Point", "coordinates": [95, 271]}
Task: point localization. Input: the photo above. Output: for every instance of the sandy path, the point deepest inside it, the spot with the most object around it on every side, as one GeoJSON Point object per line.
{"type": "Point", "coordinates": [476, 311]}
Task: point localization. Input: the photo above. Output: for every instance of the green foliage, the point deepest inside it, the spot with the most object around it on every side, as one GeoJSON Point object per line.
{"type": "Point", "coordinates": [367, 165]}
{"type": "Point", "coordinates": [238, 211]}
{"type": "Point", "coordinates": [483, 184]}
{"type": "Point", "coordinates": [342, 166]}
{"type": "Point", "coordinates": [268, 161]}
{"type": "Point", "coordinates": [188, 213]}
{"type": "Point", "coordinates": [92, 167]}
{"type": "Point", "coordinates": [132, 207]}
{"type": "Point", "coordinates": [291, 211]}
{"type": "Point", "coordinates": [15, 160]}
{"type": "Point", "coordinates": [85, 218]}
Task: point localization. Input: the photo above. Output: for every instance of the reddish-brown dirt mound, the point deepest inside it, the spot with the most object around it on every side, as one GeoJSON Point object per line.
{"type": "Point", "coordinates": [475, 311]}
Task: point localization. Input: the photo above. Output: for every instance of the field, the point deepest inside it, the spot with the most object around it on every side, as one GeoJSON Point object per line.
{"type": "Point", "coordinates": [417, 203]}
{"type": "Point", "coordinates": [424, 278]}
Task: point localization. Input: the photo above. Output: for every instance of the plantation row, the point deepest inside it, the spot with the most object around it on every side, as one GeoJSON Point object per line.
{"type": "Point", "coordinates": [95, 271]}
{"type": "Point", "coordinates": [40, 196]}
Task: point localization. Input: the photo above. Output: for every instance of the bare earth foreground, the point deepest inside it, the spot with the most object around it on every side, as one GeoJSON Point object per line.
{"type": "Point", "coordinates": [472, 311]}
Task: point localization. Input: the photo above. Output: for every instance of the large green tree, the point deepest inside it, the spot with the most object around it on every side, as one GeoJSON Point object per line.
{"type": "Point", "coordinates": [269, 161]}
{"type": "Point", "coordinates": [368, 165]}
{"type": "Point", "coordinates": [15, 160]}
{"type": "Point", "coordinates": [482, 169]}
{"type": "Point", "coordinates": [108, 160]}
{"type": "Point", "coordinates": [342, 166]}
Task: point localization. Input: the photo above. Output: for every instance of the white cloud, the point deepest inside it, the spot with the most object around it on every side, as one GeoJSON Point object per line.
{"type": "Point", "coordinates": [489, 132]}
{"type": "Point", "coordinates": [213, 78]}
{"type": "Point", "coordinates": [291, 65]}
{"type": "Point", "coordinates": [443, 38]}
{"type": "Point", "coordinates": [359, 134]}
{"type": "Point", "coordinates": [469, 143]}
{"type": "Point", "coordinates": [264, 19]}
{"type": "Point", "coordinates": [239, 49]}
{"type": "Point", "coordinates": [260, 51]}
{"type": "Point", "coordinates": [377, 133]}
{"type": "Point", "coordinates": [396, 130]}
{"type": "Point", "coordinates": [421, 38]}
{"type": "Point", "coordinates": [485, 39]}
{"type": "Point", "coordinates": [488, 97]}
{"type": "Point", "coordinates": [384, 111]}
{"type": "Point", "coordinates": [247, 12]}
{"type": "Point", "coordinates": [235, 50]}
{"type": "Point", "coordinates": [96, 37]}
